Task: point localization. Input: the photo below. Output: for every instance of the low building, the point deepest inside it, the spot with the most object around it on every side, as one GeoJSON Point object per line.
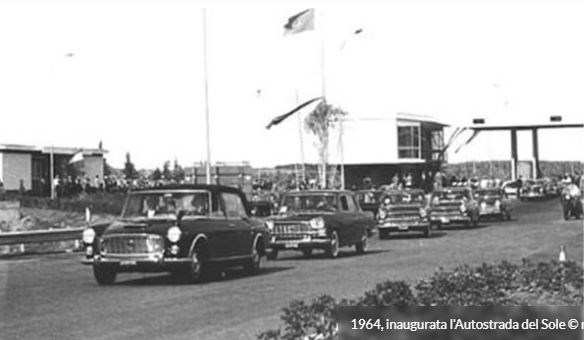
{"type": "Point", "coordinates": [380, 148]}
{"type": "Point", "coordinates": [28, 168]}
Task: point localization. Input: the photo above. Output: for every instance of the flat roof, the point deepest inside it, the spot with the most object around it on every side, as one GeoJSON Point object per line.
{"type": "Point", "coordinates": [51, 149]}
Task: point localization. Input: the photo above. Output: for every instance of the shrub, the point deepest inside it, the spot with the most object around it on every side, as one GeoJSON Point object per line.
{"type": "Point", "coordinates": [535, 284]}
{"type": "Point", "coordinates": [103, 203]}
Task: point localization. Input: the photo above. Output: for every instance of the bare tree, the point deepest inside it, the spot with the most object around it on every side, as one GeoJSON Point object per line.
{"type": "Point", "coordinates": [320, 123]}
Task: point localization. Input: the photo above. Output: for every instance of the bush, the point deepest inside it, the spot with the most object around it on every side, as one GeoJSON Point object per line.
{"type": "Point", "coordinates": [103, 203]}
{"type": "Point", "coordinates": [535, 284]}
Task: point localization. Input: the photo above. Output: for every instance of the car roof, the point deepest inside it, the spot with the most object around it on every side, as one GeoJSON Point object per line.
{"type": "Point", "coordinates": [453, 189]}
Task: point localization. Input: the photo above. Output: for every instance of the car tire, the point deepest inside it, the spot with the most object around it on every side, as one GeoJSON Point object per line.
{"type": "Point", "coordinates": [197, 270]}
{"type": "Point", "coordinates": [272, 254]}
{"type": "Point", "coordinates": [104, 275]}
{"type": "Point", "coordinates": [333, 249]}
{"type": "Point", "coordinates": [254, 264]}
{"type": "Point", "coordinates": [566, 214]}
{"type": "Point", "coordinates": [383, 234]}
{"type": "Point", "coordinates": [426, 231]}
{"type": "Point", "coordinates": [363, 244]}
{"type": "Point", "coordinates": [307, 252]}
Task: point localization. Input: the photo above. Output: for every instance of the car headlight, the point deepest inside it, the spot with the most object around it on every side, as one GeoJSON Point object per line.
{"type": "Point", "coordinates": [483, 205]}
{"type": "Point", "coordinates": [317, 223]}
{"type": "Point", "coordinates": [567, 197]}
{"type": "Point", "coordinates": [270, 225]}
{"type": "Point", "coordinates": [423, 213]}
{"type": "Point", "coordinates": [173, 234]}
{"type": "Point", "coordinates": [462, 208]}
{"type": "Point", "coordinates": [88, 236]}
{"type": "Point", "coordinates": [497, 204]}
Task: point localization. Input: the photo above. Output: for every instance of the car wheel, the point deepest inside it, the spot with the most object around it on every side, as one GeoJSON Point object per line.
{"type": "Point", "coordinates": [307, 252]}
{"type": "Point", "coordinates": [333, 249]}
{"type": "Point", "coordinates": [427, 231]}
{"type": "Point", "coordinates": [254, 264]}
{"type": "Point", "coordinates": [104, 275]}
{"type": "Point", "coordinates": [566, 214]}
{"type": "Point", "coordinates": [273, 254]}
{"type": "Point", "coordinates": [383, 234]}
{"type": "Point", "coordinates": [197, 269]}
{"type": "Point", "coordinates": [363, 245]}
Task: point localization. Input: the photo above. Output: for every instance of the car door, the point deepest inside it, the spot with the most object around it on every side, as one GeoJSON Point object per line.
{"type": "Point", "coordinates": [239, 224]}
{"type": "Point", "coordinates": [220, 236]}
{"type": "Point", "coordinates": [349, 219]}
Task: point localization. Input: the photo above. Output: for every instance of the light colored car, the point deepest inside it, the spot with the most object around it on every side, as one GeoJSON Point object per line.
{"type": "Point", "coordinates": [493, 202]}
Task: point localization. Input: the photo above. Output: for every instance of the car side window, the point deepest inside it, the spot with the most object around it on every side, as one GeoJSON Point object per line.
{"type": "Point", "coordinates": [344, 204]}
{"type": "Point", "coordinates": [351, 203]}
{"type": "Point", "coordinates": [233, 206]}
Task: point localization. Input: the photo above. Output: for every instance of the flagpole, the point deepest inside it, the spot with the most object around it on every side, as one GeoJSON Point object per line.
{"type": "Point", "coordinates": [208, 163]}
{"type": "Point", "coordinates": [52, 171]}
{"type": "Point", "coordinates": [300, 139]}
{"type": "Point", "coordinates": [323, 85]}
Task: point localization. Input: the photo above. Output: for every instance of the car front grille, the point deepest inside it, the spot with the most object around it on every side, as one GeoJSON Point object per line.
{"type": "Point", "coordinates": [132, 244]}
{"type": "Point", "coordinates": [292, 231]}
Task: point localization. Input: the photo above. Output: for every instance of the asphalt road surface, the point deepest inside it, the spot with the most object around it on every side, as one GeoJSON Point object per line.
{"type": "Point", "coordinates": [55, 297]}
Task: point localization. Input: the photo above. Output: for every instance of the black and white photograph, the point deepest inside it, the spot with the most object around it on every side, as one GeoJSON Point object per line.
{"type": "Point", "coordinates": [281, 170]}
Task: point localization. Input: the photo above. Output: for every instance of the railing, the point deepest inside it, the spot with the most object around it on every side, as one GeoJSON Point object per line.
{"type": "Point", "coordinates": [40, 236]}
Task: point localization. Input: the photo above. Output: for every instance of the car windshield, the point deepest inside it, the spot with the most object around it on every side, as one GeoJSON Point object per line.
{"type": "Point", "coordinates": [166, 204]}
{"type": "Point", "coordinates": [403, 198]}
{"type": "Point", "coordinates": [447, 195]}
{"type": "Point", "coordinates": [314, 202]}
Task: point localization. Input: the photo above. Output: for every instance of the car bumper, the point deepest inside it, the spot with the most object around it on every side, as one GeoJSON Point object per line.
{"type": "Point", "coordinates": [404, 227]}
{"type": "Point", "coordinates": [137, 263]}
{"type": "Point", "coordinates": [450, 219]}
{"type": "Point", "coordinates": [299, 244]}
{"type": "Point", "coordinates": [490, 212]}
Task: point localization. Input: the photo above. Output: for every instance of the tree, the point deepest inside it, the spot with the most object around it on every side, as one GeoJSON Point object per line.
{"type": "Point", "coordinates": [156, 175]}
{"type": "Point", "coordinates": [178, 173]}
{"type": "Point", "coordinates": [166, 174]}
{"type": "Point", "coordinates": [320, 123]}
{"type": "Point", "coordinates": [130, 171]}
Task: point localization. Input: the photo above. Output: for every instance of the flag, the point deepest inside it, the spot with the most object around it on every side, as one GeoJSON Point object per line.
{"type": "Point", "coordinates": [303, 21]}
{"type": "Point", "coordinates": [77, 157]}
{"type": "Point", "coordinates": [474, 134]}
{"type": "Point", "coordinates": [281, 118]}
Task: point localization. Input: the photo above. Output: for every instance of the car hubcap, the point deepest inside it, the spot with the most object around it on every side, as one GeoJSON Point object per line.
{"type": "Point", "coordinates": [195, 265]}
{"type": "Point", "coordinates": [334, 244]}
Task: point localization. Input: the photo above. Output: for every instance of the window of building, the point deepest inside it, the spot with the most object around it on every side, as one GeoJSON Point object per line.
{"type": "Point", "coordinates": [409, 143]}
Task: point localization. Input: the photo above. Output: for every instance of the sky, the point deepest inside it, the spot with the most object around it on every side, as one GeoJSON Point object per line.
{"type": "Point", "coordinates": [131, 74]}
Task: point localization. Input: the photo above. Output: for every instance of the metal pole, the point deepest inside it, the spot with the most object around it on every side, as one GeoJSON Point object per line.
{"type": "Point", "coordinates": [342, 154]}
{"type": "Point", "coordinates": [323, 84]}
{"type": "Point", "coordinates": [52, 172]}
{"type": "Point", "coordinates": [208, 163]}
{"type": "Point", "coordinates": [301, 139]}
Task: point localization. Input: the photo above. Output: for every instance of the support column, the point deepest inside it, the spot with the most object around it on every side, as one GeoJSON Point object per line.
{"type": "Point", "coordinates": [513, 154]}
{"type": "Point", "coordinates": [535, 148]}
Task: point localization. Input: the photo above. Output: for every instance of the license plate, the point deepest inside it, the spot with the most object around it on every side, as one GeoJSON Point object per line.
{"type": "Point", "coordinates": [444, 220]}
{"type": "Point", "coordinates": [403, 227]}
{"type": "Point", "coordinates": [291, 245]}
{"type": "Point", "coordinates": [127, 263]}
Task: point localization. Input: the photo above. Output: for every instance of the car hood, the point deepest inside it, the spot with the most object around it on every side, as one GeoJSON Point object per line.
{"type": "Point", "coordinates": [140, 226]}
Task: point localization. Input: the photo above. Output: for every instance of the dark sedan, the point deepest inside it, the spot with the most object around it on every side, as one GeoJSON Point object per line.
{"type": "Point", "coordinates": [323, 219]}
{"type": "Point", "coordinates": [189, 230]}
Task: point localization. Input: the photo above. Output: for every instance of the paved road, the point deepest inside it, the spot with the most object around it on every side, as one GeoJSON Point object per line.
{"type": "Point", "coordinates": [54, 297]}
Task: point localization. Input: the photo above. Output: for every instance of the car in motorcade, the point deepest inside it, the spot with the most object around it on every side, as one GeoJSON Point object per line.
{"type": "Point", "coordinates": [511, 188]}
{"type": "Point", "coordinates": [453, 206]}
{"type": "Point", "coordinates": [369, 199]}
{"type": "Point", "coordinates": [319, 219]}
{"type": "Point", "coordinates": [261, 209]}
{"type": "Point", "coordinates": [403, 211]}
{"type": "Point", "coordinates": [532, 189]}
{"type": "Point", "coordinates": [571, 200]}
{"type": "Point", "coordinates": [493, 202]}
{"type": "Point", "coordinates": [189, 230]}
{"type": "Point", "coordinates": [551, 187]}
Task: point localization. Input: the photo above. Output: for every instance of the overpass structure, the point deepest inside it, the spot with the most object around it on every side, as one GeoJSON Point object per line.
{"type": "Point", "coordinates": [554, 122]}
